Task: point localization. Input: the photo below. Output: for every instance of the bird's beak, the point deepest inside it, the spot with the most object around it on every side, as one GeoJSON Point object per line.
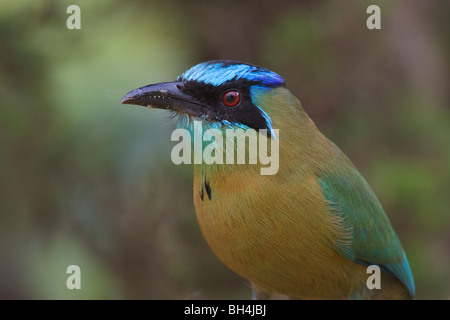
{"type": "Point", "coordinates": [165, 95]}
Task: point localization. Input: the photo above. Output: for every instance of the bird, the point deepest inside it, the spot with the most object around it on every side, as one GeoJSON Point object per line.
{"type": "Point", "coordinates": [309, 231]}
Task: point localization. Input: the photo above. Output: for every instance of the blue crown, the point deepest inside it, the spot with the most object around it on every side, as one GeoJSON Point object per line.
{"type": "Point", "coordinates": [218, 72]}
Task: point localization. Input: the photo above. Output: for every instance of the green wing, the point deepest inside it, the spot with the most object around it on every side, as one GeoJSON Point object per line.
{"type": "Point", "coordinates": [370, 238]}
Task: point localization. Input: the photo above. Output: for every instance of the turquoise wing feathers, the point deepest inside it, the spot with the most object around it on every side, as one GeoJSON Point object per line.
{"type": "Point", "coordinates": [369, 237]}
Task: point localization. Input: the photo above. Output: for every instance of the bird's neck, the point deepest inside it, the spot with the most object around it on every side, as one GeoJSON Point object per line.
{"type": "Point", "coordinates": [298, 141]}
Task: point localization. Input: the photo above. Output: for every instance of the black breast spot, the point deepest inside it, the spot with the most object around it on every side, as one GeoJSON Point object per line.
{"type": "Point", "coordinates": [208, 189]}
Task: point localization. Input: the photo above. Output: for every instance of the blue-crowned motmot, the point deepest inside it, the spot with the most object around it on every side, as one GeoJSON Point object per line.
{"type": "Point", "coordinates": [311, 230]}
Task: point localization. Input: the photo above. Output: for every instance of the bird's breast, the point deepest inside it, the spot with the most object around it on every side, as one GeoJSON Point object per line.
{"type": "Point", "coordinates": [274, 231]}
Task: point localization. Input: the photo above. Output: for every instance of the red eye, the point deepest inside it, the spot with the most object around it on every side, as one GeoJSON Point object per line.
{"type": "Point", "coordinates": [231, 98]}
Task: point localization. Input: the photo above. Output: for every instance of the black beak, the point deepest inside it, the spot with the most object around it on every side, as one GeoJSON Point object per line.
{"type": "Point", "coordinates": [165, 95]}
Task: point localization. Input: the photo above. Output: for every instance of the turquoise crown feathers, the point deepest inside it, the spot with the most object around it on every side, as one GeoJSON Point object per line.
{"type": "Point", "coordinates": [218, 72]}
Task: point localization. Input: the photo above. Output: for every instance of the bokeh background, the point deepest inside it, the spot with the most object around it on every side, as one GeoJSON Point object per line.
{"type": "Point", "coordinates": [87, 181]}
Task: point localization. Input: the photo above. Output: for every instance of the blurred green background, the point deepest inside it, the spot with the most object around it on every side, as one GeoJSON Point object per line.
{"type": "Point", "coordinates": [87, 181]}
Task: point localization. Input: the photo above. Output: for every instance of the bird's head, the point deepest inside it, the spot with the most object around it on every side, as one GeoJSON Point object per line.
{"type": "Point", "coordinates": [221, 93]}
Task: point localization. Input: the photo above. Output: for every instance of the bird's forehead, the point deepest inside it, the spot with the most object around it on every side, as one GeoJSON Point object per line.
{"type": "Point", "coordinates": [219, 72]}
